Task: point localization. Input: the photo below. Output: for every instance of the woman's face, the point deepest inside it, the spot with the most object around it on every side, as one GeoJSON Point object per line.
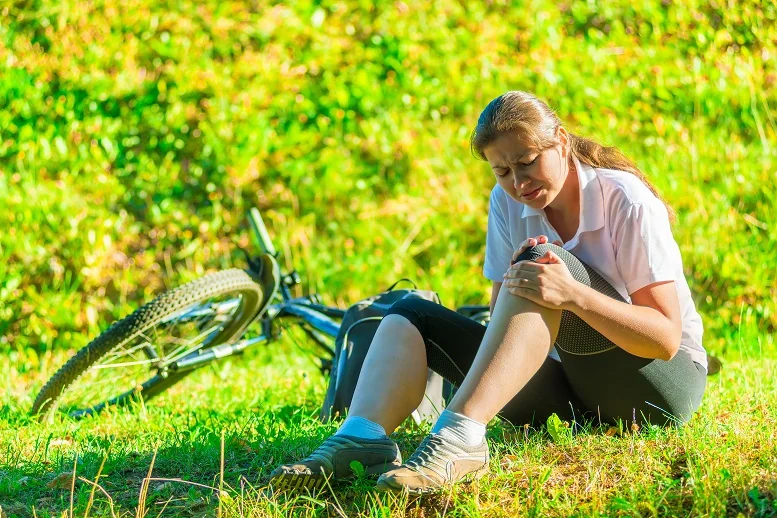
{"type": "Point", "coordinates": [526, 175]}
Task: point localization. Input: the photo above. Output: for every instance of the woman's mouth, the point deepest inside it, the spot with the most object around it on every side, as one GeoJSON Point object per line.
{"type": "Point", "coordinates": [531, 195]}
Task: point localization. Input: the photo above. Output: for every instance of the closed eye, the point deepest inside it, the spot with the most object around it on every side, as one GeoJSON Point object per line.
{"type": "Point", "coordinates": [501, 173]}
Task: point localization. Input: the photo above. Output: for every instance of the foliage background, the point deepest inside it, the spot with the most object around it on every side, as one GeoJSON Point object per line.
{"type": "Point", "coordinates": [134, 136]}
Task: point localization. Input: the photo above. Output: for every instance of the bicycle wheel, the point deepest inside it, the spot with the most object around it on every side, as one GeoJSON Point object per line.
{"type": "Point", "coordinates": [129, 360]}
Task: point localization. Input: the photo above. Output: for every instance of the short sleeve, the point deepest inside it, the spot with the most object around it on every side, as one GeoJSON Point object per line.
{"type": "Point", "coordinates": [499, 250]}
{"type": "Point", "coordinates": [645, 249]}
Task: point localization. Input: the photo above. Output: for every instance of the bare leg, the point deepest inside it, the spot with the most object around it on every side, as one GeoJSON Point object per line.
{"type": "Point", "coordinates": [514, 347]}
{"type": "Point", "coordinates": [393, 378]}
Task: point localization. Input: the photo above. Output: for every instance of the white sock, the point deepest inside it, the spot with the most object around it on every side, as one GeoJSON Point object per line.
{"type": "Point", "coordinates": [361, 427]}
{"type": "Point", "coordinates": [459, 428]}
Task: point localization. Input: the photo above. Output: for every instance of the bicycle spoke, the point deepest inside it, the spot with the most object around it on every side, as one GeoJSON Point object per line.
{"type": "Point", "coordinates": [176, 354]}
{"type": "Point", "coordinates": [126, 364]}
{"type": "Point", "coordinates": [112, 381]}
{"type": "Point", "coordinates": [103, 381]}
{"type": "Point", "coordinates": [120, 374]}
{"type": "Point", "coordinates": [120, 351]}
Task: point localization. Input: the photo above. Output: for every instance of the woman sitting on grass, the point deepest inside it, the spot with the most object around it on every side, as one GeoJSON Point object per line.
{"type": "Point", "coordinates": [581, 255]}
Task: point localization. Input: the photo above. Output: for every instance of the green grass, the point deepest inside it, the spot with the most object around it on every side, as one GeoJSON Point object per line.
{"type": "Point", "coordinates": [721, 463]}
{"type": "Point", "coordinates": [134, 136]}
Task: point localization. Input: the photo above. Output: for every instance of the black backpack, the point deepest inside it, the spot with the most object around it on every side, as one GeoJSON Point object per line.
{"type": "Point", "coordinates": [358, 327]}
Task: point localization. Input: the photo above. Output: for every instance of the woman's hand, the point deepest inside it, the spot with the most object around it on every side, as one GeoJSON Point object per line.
{"type": "Point", "coordinates": [546, 281]}
{"type": "Point", "coordinates": [532, 241]}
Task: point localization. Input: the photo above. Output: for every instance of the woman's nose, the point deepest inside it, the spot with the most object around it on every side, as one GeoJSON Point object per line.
{"type": "Point", "coordinates": [518, 183]}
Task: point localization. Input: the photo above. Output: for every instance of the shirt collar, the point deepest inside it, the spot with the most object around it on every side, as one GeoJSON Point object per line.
{"type": "Point", "coordinates": [591, 199]}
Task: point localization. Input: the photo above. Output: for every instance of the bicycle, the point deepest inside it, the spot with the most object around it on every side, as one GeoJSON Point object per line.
{"type": "Point", "coordinates": [187, 328]}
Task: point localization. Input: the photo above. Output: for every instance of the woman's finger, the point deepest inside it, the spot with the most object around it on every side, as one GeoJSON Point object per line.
{"type": "Point", "coordinates": [529, 242]}
{"type": "Point", "coordinates": [549, 258]}
{"type": "Point", "coordinates": [529, 272]}
{"type": "Point", "coordinates": [515, 282]}
{"type": "Point", "coordinates": [527, 265]}
{"type": "Point", "coordinates": [532, 241]}
{"type": "Point", "coordinates": [525, 293]}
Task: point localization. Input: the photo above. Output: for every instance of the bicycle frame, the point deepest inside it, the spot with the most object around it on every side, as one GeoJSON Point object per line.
{"type": "Point", "coordinates": [232, 317]}
{"type": "Point", "coordinates": [309, 316]}
{"type": "Point", "coordinates": [315, 318]}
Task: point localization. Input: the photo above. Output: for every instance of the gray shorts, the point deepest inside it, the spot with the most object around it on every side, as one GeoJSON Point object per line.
{"type": "Point", "coordinates": [595, 380]}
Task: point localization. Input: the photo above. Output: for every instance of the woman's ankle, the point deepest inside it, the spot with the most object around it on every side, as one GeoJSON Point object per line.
{"type": "Point", "coordinates": [361, 427]}
{"type": "Point", "coordinates": [459, 427]}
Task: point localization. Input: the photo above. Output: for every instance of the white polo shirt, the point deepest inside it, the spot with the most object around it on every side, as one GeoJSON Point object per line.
{"type": "Point", "coordinates": [624, 235]}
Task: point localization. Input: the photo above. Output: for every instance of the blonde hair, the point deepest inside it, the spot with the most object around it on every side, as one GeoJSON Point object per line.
{"type": "Point", "coordinates": [522, 111]}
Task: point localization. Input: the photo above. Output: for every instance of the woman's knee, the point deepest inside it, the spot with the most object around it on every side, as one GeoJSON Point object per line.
{"type": "Point", "coordinates": [414, 311]}
{"type": "Point", "coordinates": [413, 304]}
{"type": "Point", "coordinates": [580, 271]}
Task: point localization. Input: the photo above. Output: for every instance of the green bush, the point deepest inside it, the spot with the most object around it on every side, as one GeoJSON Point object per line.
{"type": "Point", "coordinates": [135, 136]}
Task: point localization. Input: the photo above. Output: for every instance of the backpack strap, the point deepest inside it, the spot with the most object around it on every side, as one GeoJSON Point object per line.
{"type": "Point", "coordinates": [400, 280]}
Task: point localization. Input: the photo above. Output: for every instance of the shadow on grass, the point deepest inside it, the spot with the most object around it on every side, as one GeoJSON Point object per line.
{"type": "Point", "coordinates": [190, 461]}
{"type": "Point", "coordinates": [180, 474]}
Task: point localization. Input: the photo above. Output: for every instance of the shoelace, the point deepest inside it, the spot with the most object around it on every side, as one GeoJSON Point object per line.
{"type": "Point", "coordinates": [325, 452]}
{"type": "Point", "coordinates": [427, 450]}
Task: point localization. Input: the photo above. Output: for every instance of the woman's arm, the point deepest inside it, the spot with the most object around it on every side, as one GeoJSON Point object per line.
{"type": "Point", "coordinates": [651, 327]}
{"type": "Point", "coordinates": [494, 294]}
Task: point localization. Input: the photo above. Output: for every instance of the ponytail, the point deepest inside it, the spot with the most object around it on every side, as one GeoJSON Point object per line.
{"type": "Point", "coordinates": [596, 155]}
